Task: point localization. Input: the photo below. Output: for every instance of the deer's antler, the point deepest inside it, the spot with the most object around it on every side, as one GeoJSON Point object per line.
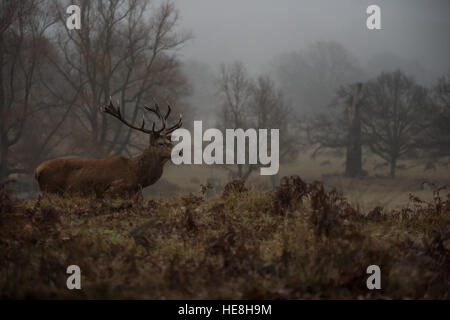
{"type": "Point", "coordinates": [115, 112]}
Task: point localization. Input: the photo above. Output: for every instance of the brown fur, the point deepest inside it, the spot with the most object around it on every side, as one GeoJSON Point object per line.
{"type": "Point", "coordinates": [112, 176]}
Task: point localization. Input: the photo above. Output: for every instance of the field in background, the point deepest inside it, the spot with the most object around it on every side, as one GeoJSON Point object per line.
{"type": "Point", "coordinates": [375, 190]}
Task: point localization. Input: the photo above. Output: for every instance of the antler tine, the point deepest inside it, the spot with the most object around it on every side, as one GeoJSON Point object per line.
{"type": "Point", "coordinates": [168, 112]}
{"type": "Point", "coordinates": [143, 122]}
{"type": "Point", "coordinates": [161, 118]}
{"type": "Point", "coordinates": [176, 126]}
{"type": "Point", "coordinates": [118, 108]}
{"type": "Point", "coordinates": [115, 112]}
{"type": "Point", "coordinates": [109, 108]}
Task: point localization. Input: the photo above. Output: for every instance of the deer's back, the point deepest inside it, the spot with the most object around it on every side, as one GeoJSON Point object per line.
{"type": "Point", "coordinates": [81, 175]}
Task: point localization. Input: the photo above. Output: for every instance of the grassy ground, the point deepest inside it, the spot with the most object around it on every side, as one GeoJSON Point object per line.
{"type": "Point", "coordinates": [300, 241]}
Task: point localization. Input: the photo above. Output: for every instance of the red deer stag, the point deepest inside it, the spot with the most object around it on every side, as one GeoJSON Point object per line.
{"type": "Point", "coordinates": [118, 176]}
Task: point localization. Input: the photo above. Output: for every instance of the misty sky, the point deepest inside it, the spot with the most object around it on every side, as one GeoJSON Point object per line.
{"type": "Point", "coordinates": [256, 31]}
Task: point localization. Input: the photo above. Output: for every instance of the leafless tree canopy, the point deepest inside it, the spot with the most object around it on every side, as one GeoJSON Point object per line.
{"type": "Point", "coordinates": [127, 50]}
{"type": "Point", "coordinates": [249, 103]}
{"type": "Point", "coordinates": [393, 108]}
{"type": "Point", "coordinates": [436, 139]}
{"type": "Point", "coordinates": [53, 80]}
{"type": "Point", "coordinates": [23, 98]}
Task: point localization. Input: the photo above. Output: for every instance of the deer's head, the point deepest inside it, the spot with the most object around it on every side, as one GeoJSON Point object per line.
{"type": "Point", "coordinates": [159, 143]}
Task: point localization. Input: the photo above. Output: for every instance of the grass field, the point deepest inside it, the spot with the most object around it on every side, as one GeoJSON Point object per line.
{"type": "Point", "coordinates": [299, 241]}
{"type": "Point", "coordinates": [375, 190]}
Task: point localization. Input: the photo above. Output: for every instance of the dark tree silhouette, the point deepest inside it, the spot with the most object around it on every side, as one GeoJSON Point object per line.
{"type": "Point", "coordinates": [353, 163]}
{"type": "Point", "coordinates": [340, 128]}
{"type": "Point", "coordinates": [124, 49]}
{"type": "Point", "coordinates": [24, 47]}
{"type": "Point", "coordinates": [436, 140]}
{"type": "Point", "coordinates": [393, 110]}
{"type": "Point", "coordinates": [387, 117]}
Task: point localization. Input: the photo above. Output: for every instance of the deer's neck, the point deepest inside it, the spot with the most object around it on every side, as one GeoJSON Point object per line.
{"type": "Point", "coordinates": [149, 167]}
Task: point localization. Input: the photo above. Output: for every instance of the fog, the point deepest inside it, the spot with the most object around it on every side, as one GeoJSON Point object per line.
{"type": "Point", "coordinates": [212, 149]}
{"type": "Point", "coordinates": [256, 31]}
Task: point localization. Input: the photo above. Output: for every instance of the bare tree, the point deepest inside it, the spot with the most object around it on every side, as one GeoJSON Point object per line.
{"type": "Point", "coordinates": [248, 103]}
{"type": "Point", "coordinates": [386, 116]}
{"type": "Point", "coordinates": [270, 110]}
{"type": "Point", "coordinates": [328, 132]}
{"type": "Point", "coordinates": [24, 46]}
{"type": "Point", "coordinates": [436, 139]}
{"type": "Point", "coordinates": [339, 130]}
{"type": "Point", "coordinates": [393, 107]}
{"type": "Point", "coordinates": [353, 164]}
{"type": "Point", "coordinates": [234, 87]}
{"type": "Point", "coordinates": [124, 49]}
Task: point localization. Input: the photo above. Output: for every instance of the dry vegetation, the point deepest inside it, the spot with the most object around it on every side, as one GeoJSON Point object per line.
{"type": "Point", "coordinates": [298, 241]}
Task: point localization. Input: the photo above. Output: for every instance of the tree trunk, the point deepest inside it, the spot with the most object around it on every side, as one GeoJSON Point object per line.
{"type": "Point", "coordinates": [393, 168]}
{"type": "Point", "coordinates": [3, 136]}
{"type": "Point", "coordinates": [3, 162]}
{"type": "Point", "coordinates": [353, 165]}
